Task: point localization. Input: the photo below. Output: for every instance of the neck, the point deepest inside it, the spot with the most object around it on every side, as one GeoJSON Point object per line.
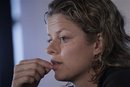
{"type": "Point", "coordinates": [84, 81]}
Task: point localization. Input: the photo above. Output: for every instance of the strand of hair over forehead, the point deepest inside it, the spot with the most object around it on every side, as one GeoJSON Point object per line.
{"type": "Point", "coordinates": [77, 7]}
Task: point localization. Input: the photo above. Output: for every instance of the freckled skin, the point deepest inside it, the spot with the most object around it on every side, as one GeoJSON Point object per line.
{"type": "Point", "coordinates": [75, 54]}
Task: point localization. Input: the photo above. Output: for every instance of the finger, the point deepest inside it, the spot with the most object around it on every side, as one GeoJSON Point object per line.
{"type": "Point", "coordinates": [30, 73]}
{"type": "Point", "coordinates": [43, 63]}
{"type": "Point", "coordinates": [23, 80]}
{"type": "Point", "coordinates": [31, 66]}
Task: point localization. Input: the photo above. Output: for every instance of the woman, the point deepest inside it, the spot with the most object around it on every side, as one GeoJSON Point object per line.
{"type": "Point", "coordinates": [87, 45]}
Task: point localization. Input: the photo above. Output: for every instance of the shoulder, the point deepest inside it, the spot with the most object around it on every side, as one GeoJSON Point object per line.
{"type": "Point", "coordinates": [116, 77]}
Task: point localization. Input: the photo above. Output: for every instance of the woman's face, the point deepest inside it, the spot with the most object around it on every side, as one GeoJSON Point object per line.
{"type": "Point", "coordinates": [71, 53]}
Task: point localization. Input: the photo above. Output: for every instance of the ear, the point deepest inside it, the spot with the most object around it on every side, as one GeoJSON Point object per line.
{"type": "Point", "coordinates": [98, 45]}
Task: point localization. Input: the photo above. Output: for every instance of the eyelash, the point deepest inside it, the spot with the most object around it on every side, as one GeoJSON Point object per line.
{"type": "Point", "coordinates": [62, 39]}
{"type": "Point", "coordinates": [49, 40]}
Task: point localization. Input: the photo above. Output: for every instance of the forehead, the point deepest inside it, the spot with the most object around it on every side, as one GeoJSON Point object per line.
{"type": "Point", "coordinates": [58, 19]}
{"type": "Point", "coordinates": [59, 22]}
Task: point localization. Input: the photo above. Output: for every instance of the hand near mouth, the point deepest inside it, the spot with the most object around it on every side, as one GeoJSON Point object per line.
{"type": "Point", "coordinates": [55, 64]}
{"type": "Point", "coordinates": [28, 73]}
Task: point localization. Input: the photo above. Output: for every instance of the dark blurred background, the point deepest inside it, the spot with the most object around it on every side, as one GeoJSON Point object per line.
{"type": "Point", "coordinates": [6, 49]}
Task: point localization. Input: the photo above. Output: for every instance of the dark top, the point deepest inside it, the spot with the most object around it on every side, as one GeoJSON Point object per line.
{"type": "Point", "coordinates": [115, 77]}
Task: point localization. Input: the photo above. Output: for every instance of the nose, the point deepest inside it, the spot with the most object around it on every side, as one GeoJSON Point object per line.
{"type": "Point", "coordinates": [53, 48]}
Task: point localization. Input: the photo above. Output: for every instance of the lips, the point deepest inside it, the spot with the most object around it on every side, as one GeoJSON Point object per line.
{"type": "Point", "coordinates": [56, 64]}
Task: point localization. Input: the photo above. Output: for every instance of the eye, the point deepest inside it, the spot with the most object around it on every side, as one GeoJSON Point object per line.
{"type": "Point", "coordinates": [49, 40]}
{"type": "Point", "coordinates": [63, 39]}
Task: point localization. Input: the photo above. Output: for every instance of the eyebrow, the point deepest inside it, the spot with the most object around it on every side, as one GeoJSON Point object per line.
{"type": "Point", "coordinates": [59, 31]}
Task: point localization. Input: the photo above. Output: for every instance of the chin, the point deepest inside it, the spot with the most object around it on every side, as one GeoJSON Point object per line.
{"type": "Point", "coordinates": [61, 78]}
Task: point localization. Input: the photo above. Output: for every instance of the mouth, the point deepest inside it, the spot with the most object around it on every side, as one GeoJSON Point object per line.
{"type": "Point", "coordinates": [56, 64]}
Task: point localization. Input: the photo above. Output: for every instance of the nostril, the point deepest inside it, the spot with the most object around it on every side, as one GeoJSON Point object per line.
{"type": "Point", "coordinates": [51, 50]}
{"type": "Point", "coordinates": [48, 50]}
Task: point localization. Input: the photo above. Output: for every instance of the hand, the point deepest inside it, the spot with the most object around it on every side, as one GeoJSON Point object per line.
{"type": "Point", "coordinates": [28, 73]}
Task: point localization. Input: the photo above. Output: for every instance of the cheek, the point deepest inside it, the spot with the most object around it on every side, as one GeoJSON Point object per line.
{"type": "Point", "coordinates": [77, 61]}
{"type": "Point", "coordinates": [77, 55]}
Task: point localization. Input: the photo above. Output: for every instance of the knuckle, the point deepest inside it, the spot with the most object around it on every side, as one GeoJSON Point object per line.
{"type": "Point", "coordinates": [35, 65]}
{"type": "Point", "coordinates": [22, 61]}
{"type": "Point", "coordinates": [16, 67]}
{"type": "Point", "coordinates": [37, 59]}
{"type": "Point", "coordinates": [26, 79]}
{"type": "Point", "coordinates": [34, 72]}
